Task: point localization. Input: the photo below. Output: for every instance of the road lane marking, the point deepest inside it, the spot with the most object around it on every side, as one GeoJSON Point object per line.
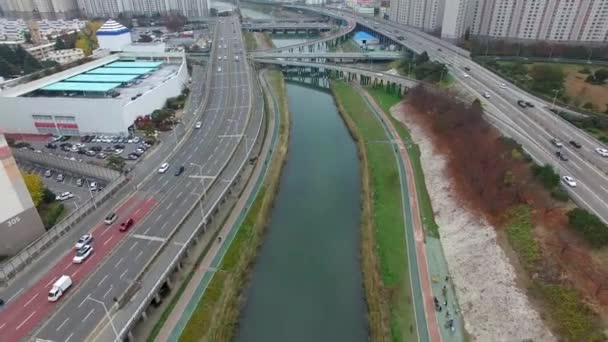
{"type": "Point", "coordinates": [16, 294]}
{"type": "Point", "coordinates": [109, 289]}
{"type": "Point", "coordinates": [180, 194]}
{"type": "Point", "coordinates": [25, 320]}
{"type": "Point", "coordinates": [137, 212]}
{"type": "Point", "coordinates": [149, 238]}
{"type": "Point", "coordinates": [62, 324]}
{"type": "Point", "coordinates": [108, 240]}
{"type": "Point", "coordinates": [147, 230]}
{"type": "Point", "coordinates": [2, 326]}
{"type": "Point", "coordinates": [82, 303]}
{"type": "Point", "coordinates": [133, 245]}
{"type": "Point", "coordinates": [158, 218]}
{"type": "Point", "coordinates": [67, 266]}
{"type": "Point", "coordinates": [139, 254]}
{"type": "Point", "coordinates": [50, 282]}
{"type": "Point", "coordinates": [69, 337]}
{"type": "Point", "coordinates": [123, 273]}
{"type": "Point", "coordinates": [89, 314]}
{"type": "Point", "coordinates": [102, 280]}
{"type": "Point", "coordinates": [31, 299]}
{"type": "Point", "coordinates": [170, 204]}
{"type": "Point", "coordinates": [74, 274]}
{"type": "Point", "coordinates": [164, 225]}
{"type": "Point", "coordinates": [119, 262]}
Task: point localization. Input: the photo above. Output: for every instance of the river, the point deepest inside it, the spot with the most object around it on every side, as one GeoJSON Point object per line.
{"type": "Point", "coordinates": [306, 284]}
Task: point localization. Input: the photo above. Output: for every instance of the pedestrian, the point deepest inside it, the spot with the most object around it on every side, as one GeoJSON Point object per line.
{"type": "Point", "coordinates": [439, 307]}
{"type": "Point", "coordinates": [447, 278]}
{"type": "Point", "coordinates": [444, 290]}
{"type": "Point", "coordinates": [445, 303]}
{"type": "Point", "coordinates": [219, 239]}
{"type": "Point", "coordinates": [435, 300]}
{"type": "Point", "coordinates": [447, 313]}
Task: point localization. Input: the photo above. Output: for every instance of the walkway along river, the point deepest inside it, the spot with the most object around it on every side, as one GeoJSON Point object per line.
{"type": "Point", "coordinates": [306, 284]}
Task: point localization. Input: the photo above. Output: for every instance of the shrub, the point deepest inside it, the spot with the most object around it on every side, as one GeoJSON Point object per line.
{"type": "Point", "coordinates": [47, 196]}
{"type": "Point", "coordinates": [52, 214]}
{"type": "Point", "coordinates": [560, 194]}
{"type": "Point", "coordinates": [546, 175]}
{"type": "Point", "coordinates": [22, 144]}
{"type": "Point", "coordinates": [589, 226]}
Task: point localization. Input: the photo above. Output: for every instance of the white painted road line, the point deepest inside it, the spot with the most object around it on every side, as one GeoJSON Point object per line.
{"type": "Point", "coordinates": [2, 326]}
{"type": "Point", "coordinates": [180, 194]}
{"type": "Point", "coordinates": [103, 279]}
{"type": "Point", "coordinates": [123, 273]}
{"type": "Point", "coordinates": [16, 294]}
{"type": "Point", "coordinates": [69, 337]}
{"type": "Point", "coordinates": [108, 240]}
{"type": "Point", "coordinates": [148, 237]}
{"type": "Point", "coordinates": [25, 320]}
{"type": "Point", "coordinates": [158, 218]}
{"type": "Point", "coordinates": [31, 299]}
{"type": "Point", "coordinates": [50, 282]}
{"type": "Point", "coordinates": [82, 303]}
{"type": "Point", "coordinates": [62, 324]}
{"type": "Point", "coordinates": [119, 262]}
{"type": "Point", "coordinates": [139, 255]}
{"type": "Point", "coordinates": [109, 289]}
{"type": "Point", "coordinates": [89, 314]}
{"type": "Point", "coordinates": [133, 245]}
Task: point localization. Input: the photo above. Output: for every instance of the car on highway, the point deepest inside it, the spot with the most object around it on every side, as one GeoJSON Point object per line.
{"type": "Point", "coordinates": [486, 95]}
{"type": "Point", "coordinates": [82, 254]}
{"type": "Point", "coordinates": [86, 239]}
{"type": "Point", "coordinates": [180, 170]}
{"type": "Point", "coordinates": [48, 173]}
{"type": "Point", "coordinates": [198, 124]}
{"type": "Point", "coordinates": [64, 196]}
{"type": "Point", "coordinates": [503, 86]}
{"type": "Point", "coordinates": [465, 75]}
{"type": "Point", "coordinates": [569, 181]}
{"type": "Point", "coordinates": [110, 218]}
{"type": "Point", "coordinates": [225, 57]}
{"type": "Point", "coordinates": [60, 177]}
{"type": "Point", "coordinates": [521, 103]}
{"type": "Point", "coordinates": [602, 151]}
{"type": "Point", "coordinates": [575, 144]}
{"type": "Point", "coordinates": [219, 58]}
{"type": "Point", "coordinates": [163, 168]}
{"type": "Point", "coordinates": [561, 156]}
{"type": "Point", "coordinates": [557, 143]}
{"type": "Point", "coordinates": [219, 69]}
{"type": "Point", "coordinates": [126, 225]}
{"type": "Point", "coordinates": [529, 104]}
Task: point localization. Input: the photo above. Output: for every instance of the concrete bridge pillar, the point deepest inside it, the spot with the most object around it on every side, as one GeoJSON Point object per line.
{"type": "Point", "coordinates": [130, 336]}
{"type": "Point", "coordinates": [144, 316]}
{"type": "Point", "coordinates": [169, 283]}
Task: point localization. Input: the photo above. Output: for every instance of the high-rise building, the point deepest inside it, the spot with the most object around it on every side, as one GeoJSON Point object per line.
{"type": "Point", "coordinates": [18, 8]}
{"type": "Point", "coordinates": [192, 8]}
{"type": "Point", "coordinates": [100, 8]}
{"type": "Point", "coordinates": [423, 14]}
{"type": "Point", "coordinates": [20, 223]}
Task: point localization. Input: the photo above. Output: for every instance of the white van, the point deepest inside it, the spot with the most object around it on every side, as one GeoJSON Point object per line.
{"type": "Point", "coordinates": [59, 287]}
{"type": "Point", "coordinates": [93, 186]}
{"type": "Point", "coordinates": [219, 69]}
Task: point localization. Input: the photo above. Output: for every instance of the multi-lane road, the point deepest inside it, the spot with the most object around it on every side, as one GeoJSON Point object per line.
{"type": "Point", "coordinates": [158, 207]}
{"type": "Point", "coordinates": [532, 127]}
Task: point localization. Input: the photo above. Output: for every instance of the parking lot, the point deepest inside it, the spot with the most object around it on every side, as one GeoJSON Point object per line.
{"type": "Point", "coordinates": [69, 183]}
{"type": "Point", "coordinates": [94, 149]}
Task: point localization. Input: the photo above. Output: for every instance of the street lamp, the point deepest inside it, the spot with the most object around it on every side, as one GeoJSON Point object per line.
{"type": "Point", "coordinates": [105, 308]}
{"type": "Point", "coordinates": [556, 91]}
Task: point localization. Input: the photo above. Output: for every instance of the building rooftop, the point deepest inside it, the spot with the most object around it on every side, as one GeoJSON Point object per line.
{"type": "Point", "coordinates": [121, 64]}
{"type": "Point", "coordinates": [81, 86]}
{"type": "Point", "coordinates": [102, 78]}
{"type": "Point", "coordinates": [363, 36]}
{"type": "Point", "coordinates": [119, 71]}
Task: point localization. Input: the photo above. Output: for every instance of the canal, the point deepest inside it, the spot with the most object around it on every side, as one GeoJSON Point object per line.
{"type": "Point", "coordinates": [306, 284]}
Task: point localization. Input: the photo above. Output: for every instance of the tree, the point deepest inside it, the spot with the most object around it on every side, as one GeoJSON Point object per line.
{"type": "Point", "coordinates": [422, 58]}
{"type": "Point", "coordinates": [34, 185]}
{"type": "Point", "coordinates": [589, 226]}
{"type": "Point", "coordinates": [546, 78]}
{"type": "Point", "coordinates": [174, 22]}
{"type": "Point", "coordinates": [59, 44]}
{"type": "Point", "coordinates": [48, 196]}
{"type": "Point", "coordinates": [115, 162]}
{"type": "Point", "coordinates": [546, 175]}
{"type": "Point", "coordinates": [601, 75]}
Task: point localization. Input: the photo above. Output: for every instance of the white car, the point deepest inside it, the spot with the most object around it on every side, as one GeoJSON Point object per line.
{"type": "Point", "coordinates": [503, 86]}
{"type": "Point", "coordinates": [82, 254]}
{"type": "Point", "coordinates": [198, 124]}
{"type": "Point", "coordinates": [64, 196]}
{"type": "Point", "coordinates": [219, 69]}
{"type": "Point", "coordinates": [486, 95]}
{"type": "Point", "coordinates": [570, 181]}
{"type": "Point", "coordinates": [466, 75]}
{"type": "Point", "coordinates": [86, 239]}
{"type": "Point", "coordinates": [219, 58]}
{"type": "Point", "coordinates": [163, 168]}
{"type": "Point", "coordinates": [602, 151]}
{"type": "Point", "coordinates": [119, 151]}
{"type": "Point", "coordinates": [225, 57]}
{"type": "Point", "coordinates": [93, 186]}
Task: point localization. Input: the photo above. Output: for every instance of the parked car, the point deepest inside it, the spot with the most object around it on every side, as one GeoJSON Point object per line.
{"type": "Point", "coordinates": [86, 239]}
{"type": "Point", "coordinates": [180, 170]}
{"type": "Point", "coordinates": [101, 155]}
{"type": "Point", "coordinates": [51, 146]}
{"type": "Point", "coordinates": [79, 182]}
{"type": "Point", "coordinates": [132, 156]}
{"type": "Point", "coordinates": [126, 225]}
{"type": "Point", "coordinates": [118, 151]}
{"type": "Point", "coordinates": [60, 177]}
{"type": "Point", "coordinates": [90, 153]}
{"type": "Point", "coordinates": [64, 196]}
{"type": "Point", "coordinates": [93, 186]}
{"type": "Point", "coordinates": [82, 254]}
{"type": "Point", "coordinates": [48, 173]}
{"type": "Point", "coordinates": [96, 148]}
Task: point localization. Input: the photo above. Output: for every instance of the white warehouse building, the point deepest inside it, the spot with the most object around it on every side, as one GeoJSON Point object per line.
{"type": "Point", "coordinates": [103, 96]}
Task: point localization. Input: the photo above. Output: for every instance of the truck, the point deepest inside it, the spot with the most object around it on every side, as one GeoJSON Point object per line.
{"type": "Point", "coordinates": [59, 287]}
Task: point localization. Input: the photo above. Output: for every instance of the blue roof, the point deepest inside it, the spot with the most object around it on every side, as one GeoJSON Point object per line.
{"type": "Point", "coordinates": [123, 64]}
{"type": "Point", "coordinates": [364, 36]}
{"type": "Point", "coordinates": [81, 86]}
{"type": "Point", "coordinates": [111, 28]}
{"type": "Point", "coordinates": [119, 71]}
{"type": "Point", "coordinates": [102, 78]}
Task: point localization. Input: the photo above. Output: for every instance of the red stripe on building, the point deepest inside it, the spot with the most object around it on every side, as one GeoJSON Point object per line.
{"type": "Point", "coordinates": [5, 152]}
{"type": "Point", "coordinates": [44, 124]}
{"type": "Point", "coordinates": [67, 125]}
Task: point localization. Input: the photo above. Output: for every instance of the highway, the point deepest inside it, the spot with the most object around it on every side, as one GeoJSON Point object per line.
{"type": "Point", "coordinates": [536, 126]}
{"type": "Point", "coordinates": [158, 207]}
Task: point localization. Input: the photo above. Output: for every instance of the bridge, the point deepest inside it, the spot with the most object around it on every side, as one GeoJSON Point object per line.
{"type": "Point", "coordinates": [286, 27]}
{"type": "Point", "coordinates": [332, 56]}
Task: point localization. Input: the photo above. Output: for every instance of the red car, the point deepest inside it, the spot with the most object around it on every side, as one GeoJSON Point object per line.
{"type": "Point", "coordinates": [126, 225]}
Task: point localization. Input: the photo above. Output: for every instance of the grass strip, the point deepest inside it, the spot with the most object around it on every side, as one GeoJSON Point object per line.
{"type": "Point", "coordinates": [250, 42]}
{"type": "Point", "coordinates": [383, 250]}
{"type": "Point", "coordinates": [216, 315]}
{"type": "Point", "coordinates": [386, 100]}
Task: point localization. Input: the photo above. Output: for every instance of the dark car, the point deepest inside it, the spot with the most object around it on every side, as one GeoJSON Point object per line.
{"type": "Point", "coordinates": [84, 138]}
{"type": "Point", "coordinates": [575, 144]}
{"type": "Point", "coordinates": [180, 170]}
{"type": "Point", "coordinates": [521, 103]}
{"type": "Point", "coordinates": [530, 104]}
{"type": "Point", "coordinates": [51, 146]}
{"type": "Point", "coordinates": [561, 155]}
{"type": "Point", "coordinates": [96, 148]}
{"type": "Point", "coordinates": [467, 68]}
{"type": "Point", "coordinates": [81, 151]}
{"type": "Point", "coordinates": [109, 149]}
{"type": "Point", "coordinates": [126, 225]}
{"type": "Point", "coordinates": [65, 138]}
{"type": "Point", "coordinates": [119, 146]}
{"type": "Point", "coordinates": [132, 156]}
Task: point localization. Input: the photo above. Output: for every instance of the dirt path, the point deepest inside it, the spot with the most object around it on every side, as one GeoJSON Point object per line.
{"type": "Point", "coordinates": [493, 307]}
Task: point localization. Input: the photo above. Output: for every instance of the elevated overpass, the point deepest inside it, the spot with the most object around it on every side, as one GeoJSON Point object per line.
{"type": "Point", "coordinates": [287, 27]}
{"type": "Point", "coordinates": [332, 56]}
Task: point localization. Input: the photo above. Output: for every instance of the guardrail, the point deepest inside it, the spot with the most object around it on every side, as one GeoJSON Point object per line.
{"type": "Point", "coordinates": [151, 294]}
{"type": "Point", "coordinates": [11, 267]}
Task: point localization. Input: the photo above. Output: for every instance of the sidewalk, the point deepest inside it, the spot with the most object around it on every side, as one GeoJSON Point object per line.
{"type": "Point", "coordinates": [195, 289]}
